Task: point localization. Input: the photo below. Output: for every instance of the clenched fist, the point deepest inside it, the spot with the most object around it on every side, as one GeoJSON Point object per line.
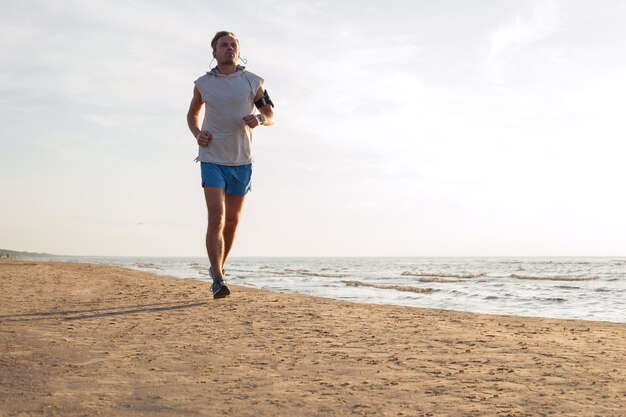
{"type": "Point", "coordinates": [251, 120]}
{"type": "Point", "coordinates": [203, 138]}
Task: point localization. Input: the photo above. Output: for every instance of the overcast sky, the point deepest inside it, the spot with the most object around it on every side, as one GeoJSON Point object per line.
{"type": "Point", "coordinates": [409, 128]}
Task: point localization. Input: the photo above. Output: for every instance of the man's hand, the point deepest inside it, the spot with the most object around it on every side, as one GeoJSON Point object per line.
{"type": "Point", "coordinates": [203, 139]}
{"type": "Point", "coordinates": [251, 120]}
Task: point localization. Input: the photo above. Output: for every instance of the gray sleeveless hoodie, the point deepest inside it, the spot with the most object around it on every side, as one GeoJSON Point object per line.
{"type": "Point", "coordinates": [227, 98]}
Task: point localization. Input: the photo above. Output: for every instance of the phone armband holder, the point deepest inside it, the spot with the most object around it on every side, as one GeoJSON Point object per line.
{"type": "Point", "coordinates": [263, 101]}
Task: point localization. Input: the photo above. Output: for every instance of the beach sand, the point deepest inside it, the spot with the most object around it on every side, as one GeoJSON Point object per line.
{"type": "Point", "coordinates": [87, 340]}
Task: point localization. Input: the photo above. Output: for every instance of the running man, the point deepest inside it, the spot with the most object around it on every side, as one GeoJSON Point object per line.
{"type": "Point", "coordinates": [229, 94]}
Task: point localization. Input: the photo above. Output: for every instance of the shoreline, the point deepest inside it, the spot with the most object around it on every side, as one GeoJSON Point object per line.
{"type": "Point", "coordinates": [595, 293]}
{"type": "Point", "coordinates": [87, 339]}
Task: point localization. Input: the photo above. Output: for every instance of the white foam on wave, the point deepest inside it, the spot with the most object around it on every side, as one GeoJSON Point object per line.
{"type": "Point", "coordinates": [439, 279]}
{"type": "Point", "coordinates": [554, 277]}
{"type": "Point", "coordinates": [405, 288]}
{"type": "Point", "coordinates": [441, 274]}
{"type": "Point", "coordinates": [306, 273]}
{"type": "Point", "coordinates": [147, 265]}
{"type": "Point", "coordinates": [269, 271]}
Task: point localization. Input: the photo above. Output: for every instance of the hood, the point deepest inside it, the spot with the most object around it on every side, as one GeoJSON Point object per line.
{"type": "Point", "coordinates": [216, 72]}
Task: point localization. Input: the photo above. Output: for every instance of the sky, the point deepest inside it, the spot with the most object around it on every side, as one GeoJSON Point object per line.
{"type": "Point", "coordinates": [403, 128]}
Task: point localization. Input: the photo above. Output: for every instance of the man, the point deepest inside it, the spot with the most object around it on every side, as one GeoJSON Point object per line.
{"type": "Point", "coordinates": [229, 95]}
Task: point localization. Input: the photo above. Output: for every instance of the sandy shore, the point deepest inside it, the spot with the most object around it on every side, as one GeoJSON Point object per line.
{"type": "Point", "coordinates": [79, 339]}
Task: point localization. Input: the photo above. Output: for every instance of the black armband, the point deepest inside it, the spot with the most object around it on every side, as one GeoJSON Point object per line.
{"type": "Point", "coordinates": [265, 100]}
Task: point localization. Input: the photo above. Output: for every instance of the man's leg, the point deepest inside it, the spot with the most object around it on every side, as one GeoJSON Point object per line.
{"type": "Point", "coordinates": [234, 205]}
{"type": "Point", "coordinates": [215, 203]}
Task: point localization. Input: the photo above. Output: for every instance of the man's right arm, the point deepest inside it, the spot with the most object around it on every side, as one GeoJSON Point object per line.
{"type": "Point", "coordinates": [193, 119]}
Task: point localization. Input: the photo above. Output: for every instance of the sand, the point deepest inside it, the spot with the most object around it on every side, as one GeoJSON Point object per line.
{"type": "Point", "coordinates": [87, 340]}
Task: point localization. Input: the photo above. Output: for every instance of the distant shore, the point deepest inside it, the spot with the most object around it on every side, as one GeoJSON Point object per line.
{"type": "Point", "coordinates": [81, 339]}
{"type": "Point", "coordinates": [12, 254]}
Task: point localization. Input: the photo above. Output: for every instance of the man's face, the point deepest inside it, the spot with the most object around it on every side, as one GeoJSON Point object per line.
{"type": "Point", "coordinates": [226, 50]}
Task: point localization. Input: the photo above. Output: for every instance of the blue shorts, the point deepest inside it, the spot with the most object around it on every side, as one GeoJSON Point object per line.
{"type": "Point", "coordinates": [235, 180]}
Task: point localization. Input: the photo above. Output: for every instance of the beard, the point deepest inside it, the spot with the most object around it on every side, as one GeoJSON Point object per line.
{"type": "Point", "coordinates": [228, 60]}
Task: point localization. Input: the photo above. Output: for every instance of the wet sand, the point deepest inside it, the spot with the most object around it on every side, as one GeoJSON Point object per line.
{"type": "Point", "coordinates": [85, 340]}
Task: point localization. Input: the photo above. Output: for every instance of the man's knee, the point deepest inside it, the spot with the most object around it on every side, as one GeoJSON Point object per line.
{"type": "Point", "coordinates": [231, 222]}
{"type": "Point", "coordinates": [216, 223]}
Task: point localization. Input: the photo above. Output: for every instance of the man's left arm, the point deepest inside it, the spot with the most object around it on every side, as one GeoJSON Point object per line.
{"type": "Point", "coordinates": [253, 120]}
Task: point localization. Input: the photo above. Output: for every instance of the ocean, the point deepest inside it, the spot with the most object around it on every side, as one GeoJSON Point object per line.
{"type": "Point", "coordinates": [569, 288]}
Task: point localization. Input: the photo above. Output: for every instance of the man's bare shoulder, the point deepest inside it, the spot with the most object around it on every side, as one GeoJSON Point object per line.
{"type": "Point", "coordinates": [201, 78]}
{"type": "Point", "coordinates": [253, 75]}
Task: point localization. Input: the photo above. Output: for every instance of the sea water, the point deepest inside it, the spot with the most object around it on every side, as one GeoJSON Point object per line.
{"type": "Point", "coordinates": [572, 288]}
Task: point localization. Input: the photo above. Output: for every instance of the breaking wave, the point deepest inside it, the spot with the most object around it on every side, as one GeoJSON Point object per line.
{"type": "Point", "coordinates": [441, 274]}
{"type": "Point", "coordinates": [554, 277]}
{"type": "Point", "coordinates": [147, 265]}
{"type": "Point", "coordinates": [439, 279]}
{"type": "Point", "coordinates": [405, 288]}
{"type": "Point", "coordinates": [307, 273]}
